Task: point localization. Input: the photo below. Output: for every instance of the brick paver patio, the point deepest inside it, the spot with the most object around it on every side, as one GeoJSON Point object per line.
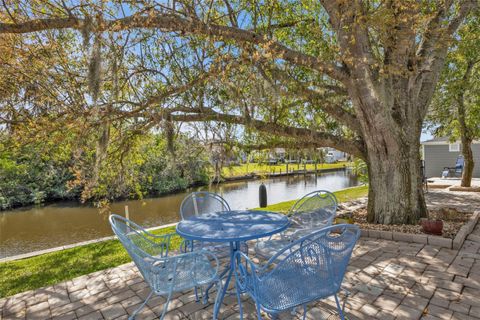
{"type": "Point", "coordinates": [387, 280]}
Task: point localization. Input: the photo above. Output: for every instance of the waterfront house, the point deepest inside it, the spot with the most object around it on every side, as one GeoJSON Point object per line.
{"type": "Point", "coordinates": [439, 153]}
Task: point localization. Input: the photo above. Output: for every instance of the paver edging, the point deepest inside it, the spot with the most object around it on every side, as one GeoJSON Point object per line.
{"type": "Point", "coordinates": [465, 230]}
{"type": "Point", "coordinates": [409, 237]}
{"type": "Point", "coordinates": [456, 243]}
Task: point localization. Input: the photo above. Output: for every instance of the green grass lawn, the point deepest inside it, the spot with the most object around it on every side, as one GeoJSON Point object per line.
{"type": "Point", "coordinates": [257, 168]}
{"type": "Point", "coordinates": [51, 268]}
{"type": "Point", "coordinates": [342, 196]}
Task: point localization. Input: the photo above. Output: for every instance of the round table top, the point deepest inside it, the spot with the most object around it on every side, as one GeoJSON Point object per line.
{"type": "Point", "coordinates": [230, 226]}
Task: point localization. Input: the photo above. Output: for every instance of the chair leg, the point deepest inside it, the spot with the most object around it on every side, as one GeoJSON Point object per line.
{"type": "Point", "coordinates": [205, 296]}
{"type": "Point", "coordinates": [259, 316]}
{"type": "Point", "coordinates": [218, 303]}
{"type": "Point", "coordinates": [165, 306]}
{"type": "Point", "coordinates": [347, 294]}
{"type": "Point", "coordinates": [134, 314]}
{"type": "Point", "coordinates": [304, 311]}
{"type": "Point", "coordinates": [294, 311]}
{"type": "Point", "coordinates": [202, 295]}
{"type": "Point", "coordinates": [239, 299]}
{"type": "Point", "coordinates": [196, 294]}
{"type": "Point", "coordinates": [246, 248]}
{"type": "Point", "coordinates": [340, 312]}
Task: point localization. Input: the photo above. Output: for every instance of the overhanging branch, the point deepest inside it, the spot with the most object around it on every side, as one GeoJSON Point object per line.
{"type": "Point", "coordinates": [173, 22]}
{"type": "Point", "coordinates": [335, 110]}
{"type": "Point", "coordinates": [302, 135]}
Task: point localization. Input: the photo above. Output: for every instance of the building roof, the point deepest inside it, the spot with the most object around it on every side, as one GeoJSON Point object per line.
{"type": "Point", "coordinates": [442, 141]}
{"type": "Point", "coordinates": [438, 139]}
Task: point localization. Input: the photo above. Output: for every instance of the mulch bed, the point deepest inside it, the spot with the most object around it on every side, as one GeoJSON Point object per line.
{"type": "Point", "coordinates": [453, 220]}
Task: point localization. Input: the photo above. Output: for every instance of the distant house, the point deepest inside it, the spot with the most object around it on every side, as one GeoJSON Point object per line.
{"type": "Point", "coordinates": [440, 152]}
{"type": "Point", "coordinates": [333, 155]}
{"type": "Point", "coordinates": [280, 153]}
{"type": "Point", "coordinates": [329, 155]}
{"type": "Point", "coordinates": [276, 155]}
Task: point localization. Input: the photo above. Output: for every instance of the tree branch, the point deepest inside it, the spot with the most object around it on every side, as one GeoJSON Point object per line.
{"type": "Point", "coordinates": [352, 34]}
{"type": "Point", "coordinates": [172, 22]}
{"type": "Point", "coordinates": [429, 45]}
{"type": "Point", "coordinates": [288, 24]}
{"type": "Point", "coordinates": [280, 144]}
{"type": "Point", "coordinates": [432, 52]}
{"type": "Point", "coordinates": [400, 46]}
{"type": "Point", "coordinates": [354, 147]}
{"type": "Point", "coordinates": [42, 24]}
{"type": "Point", "coordinates": [231, 14]}
{"type": "Point", "coordinates": [334, 110]}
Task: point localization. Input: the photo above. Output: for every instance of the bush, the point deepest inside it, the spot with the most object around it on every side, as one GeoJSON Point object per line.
{"type": "Point", "coordinates": [29, 175]}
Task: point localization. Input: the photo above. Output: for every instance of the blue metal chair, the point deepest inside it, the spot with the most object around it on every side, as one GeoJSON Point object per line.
{"type": "Point", "coordinates": [456, 171]}
{"type": "Point", "coordinates": [202, 202]}
{"type": "Point", "coordinates": [165, 274]}
{"type": "Point", "coordinates": [309, 269]}
{"type": "Point", "coordinates": [197, 203]}
{"type": "Point", "coordinates": [312, 212]}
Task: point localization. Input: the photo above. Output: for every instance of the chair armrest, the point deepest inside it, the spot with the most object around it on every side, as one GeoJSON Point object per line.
{"type": "Point", "coordinates": [150, 234]}
{"type": "Point", "coordinates": [156, 240]}
{"type": "Point", "coordinates": [160, 236]}
{"type": "Point", "coordinates": [162, 241]}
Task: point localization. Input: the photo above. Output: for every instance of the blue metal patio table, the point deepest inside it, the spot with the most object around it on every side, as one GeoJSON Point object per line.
{"type": "Point", "coordinates": [234, 227]}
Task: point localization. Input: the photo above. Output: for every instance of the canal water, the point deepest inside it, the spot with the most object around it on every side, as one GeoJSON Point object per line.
{"type": "Point", "coordinates": [36, 228]}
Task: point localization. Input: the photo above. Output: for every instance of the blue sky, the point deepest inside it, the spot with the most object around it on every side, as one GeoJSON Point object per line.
{"type": "Point", "coordinates": [426, 136]}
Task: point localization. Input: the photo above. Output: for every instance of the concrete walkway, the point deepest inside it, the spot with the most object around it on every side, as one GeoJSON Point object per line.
{"type": "Point", "coordinates": [387, 279]}
{"type": "Point", "coordinates": [451, 181]}
{"type": "Point", "coordinates": [461, 200]}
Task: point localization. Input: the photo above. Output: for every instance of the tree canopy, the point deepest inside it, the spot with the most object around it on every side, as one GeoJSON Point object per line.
{"type": "Point", "coordinates": [354, 75]}
{"type": "Point", "coordinates": [455, 110]}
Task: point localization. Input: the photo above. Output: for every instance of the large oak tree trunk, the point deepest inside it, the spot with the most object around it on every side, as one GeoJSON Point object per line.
{"type": "Point", "coordinates": [391, 131]}
{"type": "Point", "coordinates": [395, 190]}
{"type": "Point", "coordinates": [469, 163]}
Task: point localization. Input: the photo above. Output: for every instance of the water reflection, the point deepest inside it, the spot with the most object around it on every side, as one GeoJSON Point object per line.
{"type": "Point", "coordinates": [29, 229]}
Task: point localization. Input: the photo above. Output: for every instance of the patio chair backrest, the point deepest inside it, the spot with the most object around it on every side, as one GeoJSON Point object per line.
{"type": "Point", "coordinates": [318, 260]}
{"type": "Point", "coordinates": [202, 202]}
{"type": "Point", "coordinates": [138, 243]}
{"type": "Point", "coordinates": [317, 207]}
{"type": "Point", "coordinates": [423, 169]}
{"type": "Point", "coordinates": [459, 164]}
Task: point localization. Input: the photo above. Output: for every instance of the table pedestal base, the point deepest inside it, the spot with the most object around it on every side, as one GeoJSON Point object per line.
{"type": "Point", "coordinates": [229, 272]}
